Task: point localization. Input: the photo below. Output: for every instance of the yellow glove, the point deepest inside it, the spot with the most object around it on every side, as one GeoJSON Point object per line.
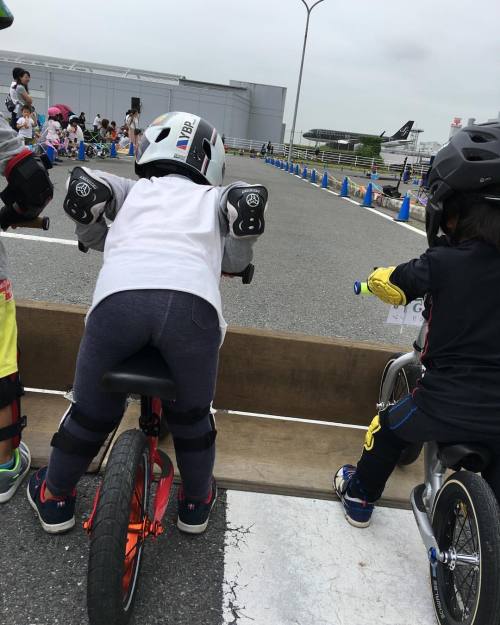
{"type": "Point", "coordinates": [380, 285]}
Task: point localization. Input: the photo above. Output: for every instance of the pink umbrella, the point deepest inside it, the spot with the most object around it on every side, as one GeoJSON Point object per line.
{"type": "Point", "coordinates": [54, 110]}
{"type": "Point", "coordinates": [66, 111]}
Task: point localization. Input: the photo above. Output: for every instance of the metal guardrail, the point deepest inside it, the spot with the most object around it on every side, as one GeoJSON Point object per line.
{"type": "Point", "coordinates": [324, 158]}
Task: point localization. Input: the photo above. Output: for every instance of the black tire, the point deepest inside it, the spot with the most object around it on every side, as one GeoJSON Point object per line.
{"type": "Point", "coordinates": [111, 585]}
{"type": "Point", "coordinates": [406, 381]}
{"type": "Point", "coordinates": [466, 516]}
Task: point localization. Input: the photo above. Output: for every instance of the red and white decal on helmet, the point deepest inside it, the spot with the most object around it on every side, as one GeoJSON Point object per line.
{"type": "Point", "coordinates": [185, 137]}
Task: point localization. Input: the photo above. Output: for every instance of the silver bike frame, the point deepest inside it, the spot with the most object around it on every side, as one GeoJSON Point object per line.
{"type": "Point", "coordinates": [423, 496]}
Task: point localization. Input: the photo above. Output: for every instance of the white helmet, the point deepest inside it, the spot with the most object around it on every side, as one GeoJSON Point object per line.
{"type": "Point", "coordinates": [181, 143]}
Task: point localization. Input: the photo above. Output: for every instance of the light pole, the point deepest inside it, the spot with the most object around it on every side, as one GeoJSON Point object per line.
{"type": "Point", "coordinates": [308, 9]}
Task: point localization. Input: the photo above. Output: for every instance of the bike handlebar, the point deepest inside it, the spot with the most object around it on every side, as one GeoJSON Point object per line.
{"type": "Point", "coordinates": [361, 288]}
{"type": "Point", "coordinates": [41, 223]}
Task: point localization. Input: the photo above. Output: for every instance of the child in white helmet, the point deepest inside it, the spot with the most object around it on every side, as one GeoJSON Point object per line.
{"type": "Point", "coordinates": [174, 231]}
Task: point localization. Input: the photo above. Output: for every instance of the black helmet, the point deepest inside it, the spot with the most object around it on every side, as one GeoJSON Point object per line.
{"type": "Point", "coordinates": [6, 17]}
{"type": "Point", "coordinates": [470, 161]}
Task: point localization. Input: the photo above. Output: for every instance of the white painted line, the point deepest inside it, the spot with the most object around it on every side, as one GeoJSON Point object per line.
{"type": "Point", "coordinates": [31, 237]}
{"type": "Point", "coordinates": [332, 192]}
{"type": "Point", "coordinates": [348, 199]}
{"type": "Point", "coordinates": [43, 390]}
{"type": "Point", "coordinates": [296, 419]}
{"type": "Point", "coordinates": [399, 223]}
{"type": "Point", "coordinates": [314, 184]}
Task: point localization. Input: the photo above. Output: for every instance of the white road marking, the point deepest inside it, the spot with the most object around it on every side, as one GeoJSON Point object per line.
{"type": "Point", "coordinates": [294, 560]}
{"type": "Point", "coordinates": [314, 184]}
{"type": "Point", "coordinates": [296, 419]}
{"type": "Point", "coordinates": [31, 237]}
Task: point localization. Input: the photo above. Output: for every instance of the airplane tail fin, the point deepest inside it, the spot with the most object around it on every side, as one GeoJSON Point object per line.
{"type": "Point", "coordinates": [403, 132]}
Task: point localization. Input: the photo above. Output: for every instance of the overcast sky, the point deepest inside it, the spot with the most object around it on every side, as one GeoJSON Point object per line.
{"type": "Point", "coordinates": [369, 66]}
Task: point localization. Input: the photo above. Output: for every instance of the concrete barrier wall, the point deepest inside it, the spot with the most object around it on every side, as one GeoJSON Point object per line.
{"type": "Point", "coordinates": [260, 371]}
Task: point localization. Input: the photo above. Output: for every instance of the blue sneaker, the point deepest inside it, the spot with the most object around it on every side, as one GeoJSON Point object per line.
{"type": "Point", "coordinates": [56, 515]}
{"type": "Point", "coordinates": [358, 512]}
{"type": "Point", "coordinates": [193, 515]}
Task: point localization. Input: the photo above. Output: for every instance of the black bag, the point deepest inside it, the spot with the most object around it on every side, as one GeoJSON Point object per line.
{"type": "Point", "coordinates": [10, 104]}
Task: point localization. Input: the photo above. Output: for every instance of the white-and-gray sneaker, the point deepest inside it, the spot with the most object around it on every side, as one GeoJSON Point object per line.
{"type": "Point", "coordinates": [10, 479]}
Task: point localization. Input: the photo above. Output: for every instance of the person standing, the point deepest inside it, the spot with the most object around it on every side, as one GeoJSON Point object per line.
{"type": "Point", "coordinates": [25, 125]}
{"type": "Point", "coordinates": [19, 93]}
{"type": "Point", "coordinates": [97, 122]}
{"type": "Point", "coordinates": [131, 122]}
{"type": "Point", "coordinates": [81, 121]}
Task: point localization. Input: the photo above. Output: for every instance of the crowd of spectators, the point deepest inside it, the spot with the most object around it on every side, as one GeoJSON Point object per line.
{"type": "Point", "coordinates": [64, 130]}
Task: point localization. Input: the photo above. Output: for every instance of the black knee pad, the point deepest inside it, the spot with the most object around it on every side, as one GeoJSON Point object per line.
{"type": "Point", "coordinates": [199, 443]}
{"type": "Point", "coordinates": [64, 440]}
{"type": "Point", "coordinates": [11, 391]}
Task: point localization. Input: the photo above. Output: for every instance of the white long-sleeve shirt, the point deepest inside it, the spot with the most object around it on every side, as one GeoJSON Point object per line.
{"type": "Point", "coordinates": [166, 234]}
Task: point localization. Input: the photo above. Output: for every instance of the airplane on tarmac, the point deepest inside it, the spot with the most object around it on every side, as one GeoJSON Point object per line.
{"type": "Point", "coordinates": [351, 138]}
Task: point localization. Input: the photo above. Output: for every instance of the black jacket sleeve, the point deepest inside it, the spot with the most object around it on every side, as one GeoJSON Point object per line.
{"type": "Point", "coordinates": [414, 277]}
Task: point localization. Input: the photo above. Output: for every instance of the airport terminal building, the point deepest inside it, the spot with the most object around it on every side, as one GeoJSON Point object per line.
{"type": "Point", "coordinates": [241, 109]}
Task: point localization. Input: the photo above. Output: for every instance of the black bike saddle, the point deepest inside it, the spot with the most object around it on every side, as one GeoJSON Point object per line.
{"type": "Point", "coordinates": [143, 373]}
{"type": "Point", "coordinates": [470, 456]}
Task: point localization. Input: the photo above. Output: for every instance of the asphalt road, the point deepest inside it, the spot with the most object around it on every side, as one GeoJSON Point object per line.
{"type": "Point", "coordinates": [43, 580]}
{"type": "Point", "coordinates": [314, 247]}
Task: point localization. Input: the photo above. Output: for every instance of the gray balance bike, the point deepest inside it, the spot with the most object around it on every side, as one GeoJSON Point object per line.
{"type": "Point", "coordinates": [458, 516]}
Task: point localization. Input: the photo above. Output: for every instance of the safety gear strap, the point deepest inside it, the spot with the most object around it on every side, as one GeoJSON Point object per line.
{"type": "Point", "coordinates": [187, 417]}
{"type": "Point", "coordinates": [71, 444]}
{"type": "Point", "coordinates": [200, 443]}
{"type": "Point", "coordinates": [11, 391]}
{"type": "Point", "coordinates": [380, 285]}
{"type": "Point", "coordinates": [13, 431]}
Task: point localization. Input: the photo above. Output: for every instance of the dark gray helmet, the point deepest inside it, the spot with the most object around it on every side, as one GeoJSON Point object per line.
{"type": "Point", "coordinates": [470, 161]}
{"type": "Point", "coordinates": [6, 17]}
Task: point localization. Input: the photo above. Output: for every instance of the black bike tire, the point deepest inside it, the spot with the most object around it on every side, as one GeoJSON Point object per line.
{"type": "Point", "coordinates": [484, 505]}
{"type": "Point", "coordinates": [105, 602]}
{"type": "Point", "coordinates": [412, 375]}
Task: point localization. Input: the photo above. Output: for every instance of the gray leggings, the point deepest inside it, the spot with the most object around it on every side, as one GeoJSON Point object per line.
{"type": "Point", "coordinates": [185, 329]}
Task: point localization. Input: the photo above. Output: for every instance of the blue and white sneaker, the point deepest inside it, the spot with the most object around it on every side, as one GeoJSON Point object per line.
{"type": "Point", "coordinates": [358, 512]}
{"type": "Point", "coordinates": [56, 515]}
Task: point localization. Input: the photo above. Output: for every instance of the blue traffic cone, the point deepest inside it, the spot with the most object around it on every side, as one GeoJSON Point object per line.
{"type": "Point", "coordinates": [81, 151]}
{"type": "Point", "coordinates": [271, 160]}
{"type": "Point", "coordinates": [367, 200]}
{"type": "Point", "coordinates": [276, 163]}
{"type": "Point", "coordinates": [313, 176]}
{"type": "Point", "coordinates": [292, 168]}
{"type": "Point", "coordinates": [324, 181]}
{"type": "Point", "coordinates": [286, 166]}
{"type": "Point", "coordinates": [404, 211]}
{"type": "Point", "coordinates": [304, 172]}
{"type": "Point", "coordinates": [51, 153]}
{"type": "Point", "coordinates": [112, 152]}
{"type": "Point", "coordinates": [344, 189]}
{"type": "Point", "coordinates": [282, 164]}
{"type": "Point", "coordinates": [131, 149]}
{"type": "Point", "coordinates": [297, 170]}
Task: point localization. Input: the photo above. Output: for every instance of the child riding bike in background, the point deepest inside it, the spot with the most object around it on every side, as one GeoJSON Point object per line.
{"type": "Point", "coordinates": [458, 397]}
{"type": "Point", "coordinates": [174, 231]}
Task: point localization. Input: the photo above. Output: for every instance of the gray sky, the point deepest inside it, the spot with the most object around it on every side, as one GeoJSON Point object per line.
{"type": "Point", "coordinates": [369, 67]}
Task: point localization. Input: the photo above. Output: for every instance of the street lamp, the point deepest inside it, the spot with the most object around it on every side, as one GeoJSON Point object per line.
{"type": "Point", "coordinates": [308, 9]}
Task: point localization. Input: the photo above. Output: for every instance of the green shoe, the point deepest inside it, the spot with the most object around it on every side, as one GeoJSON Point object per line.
{"type": "Point", "coordinates": [10, 479]}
